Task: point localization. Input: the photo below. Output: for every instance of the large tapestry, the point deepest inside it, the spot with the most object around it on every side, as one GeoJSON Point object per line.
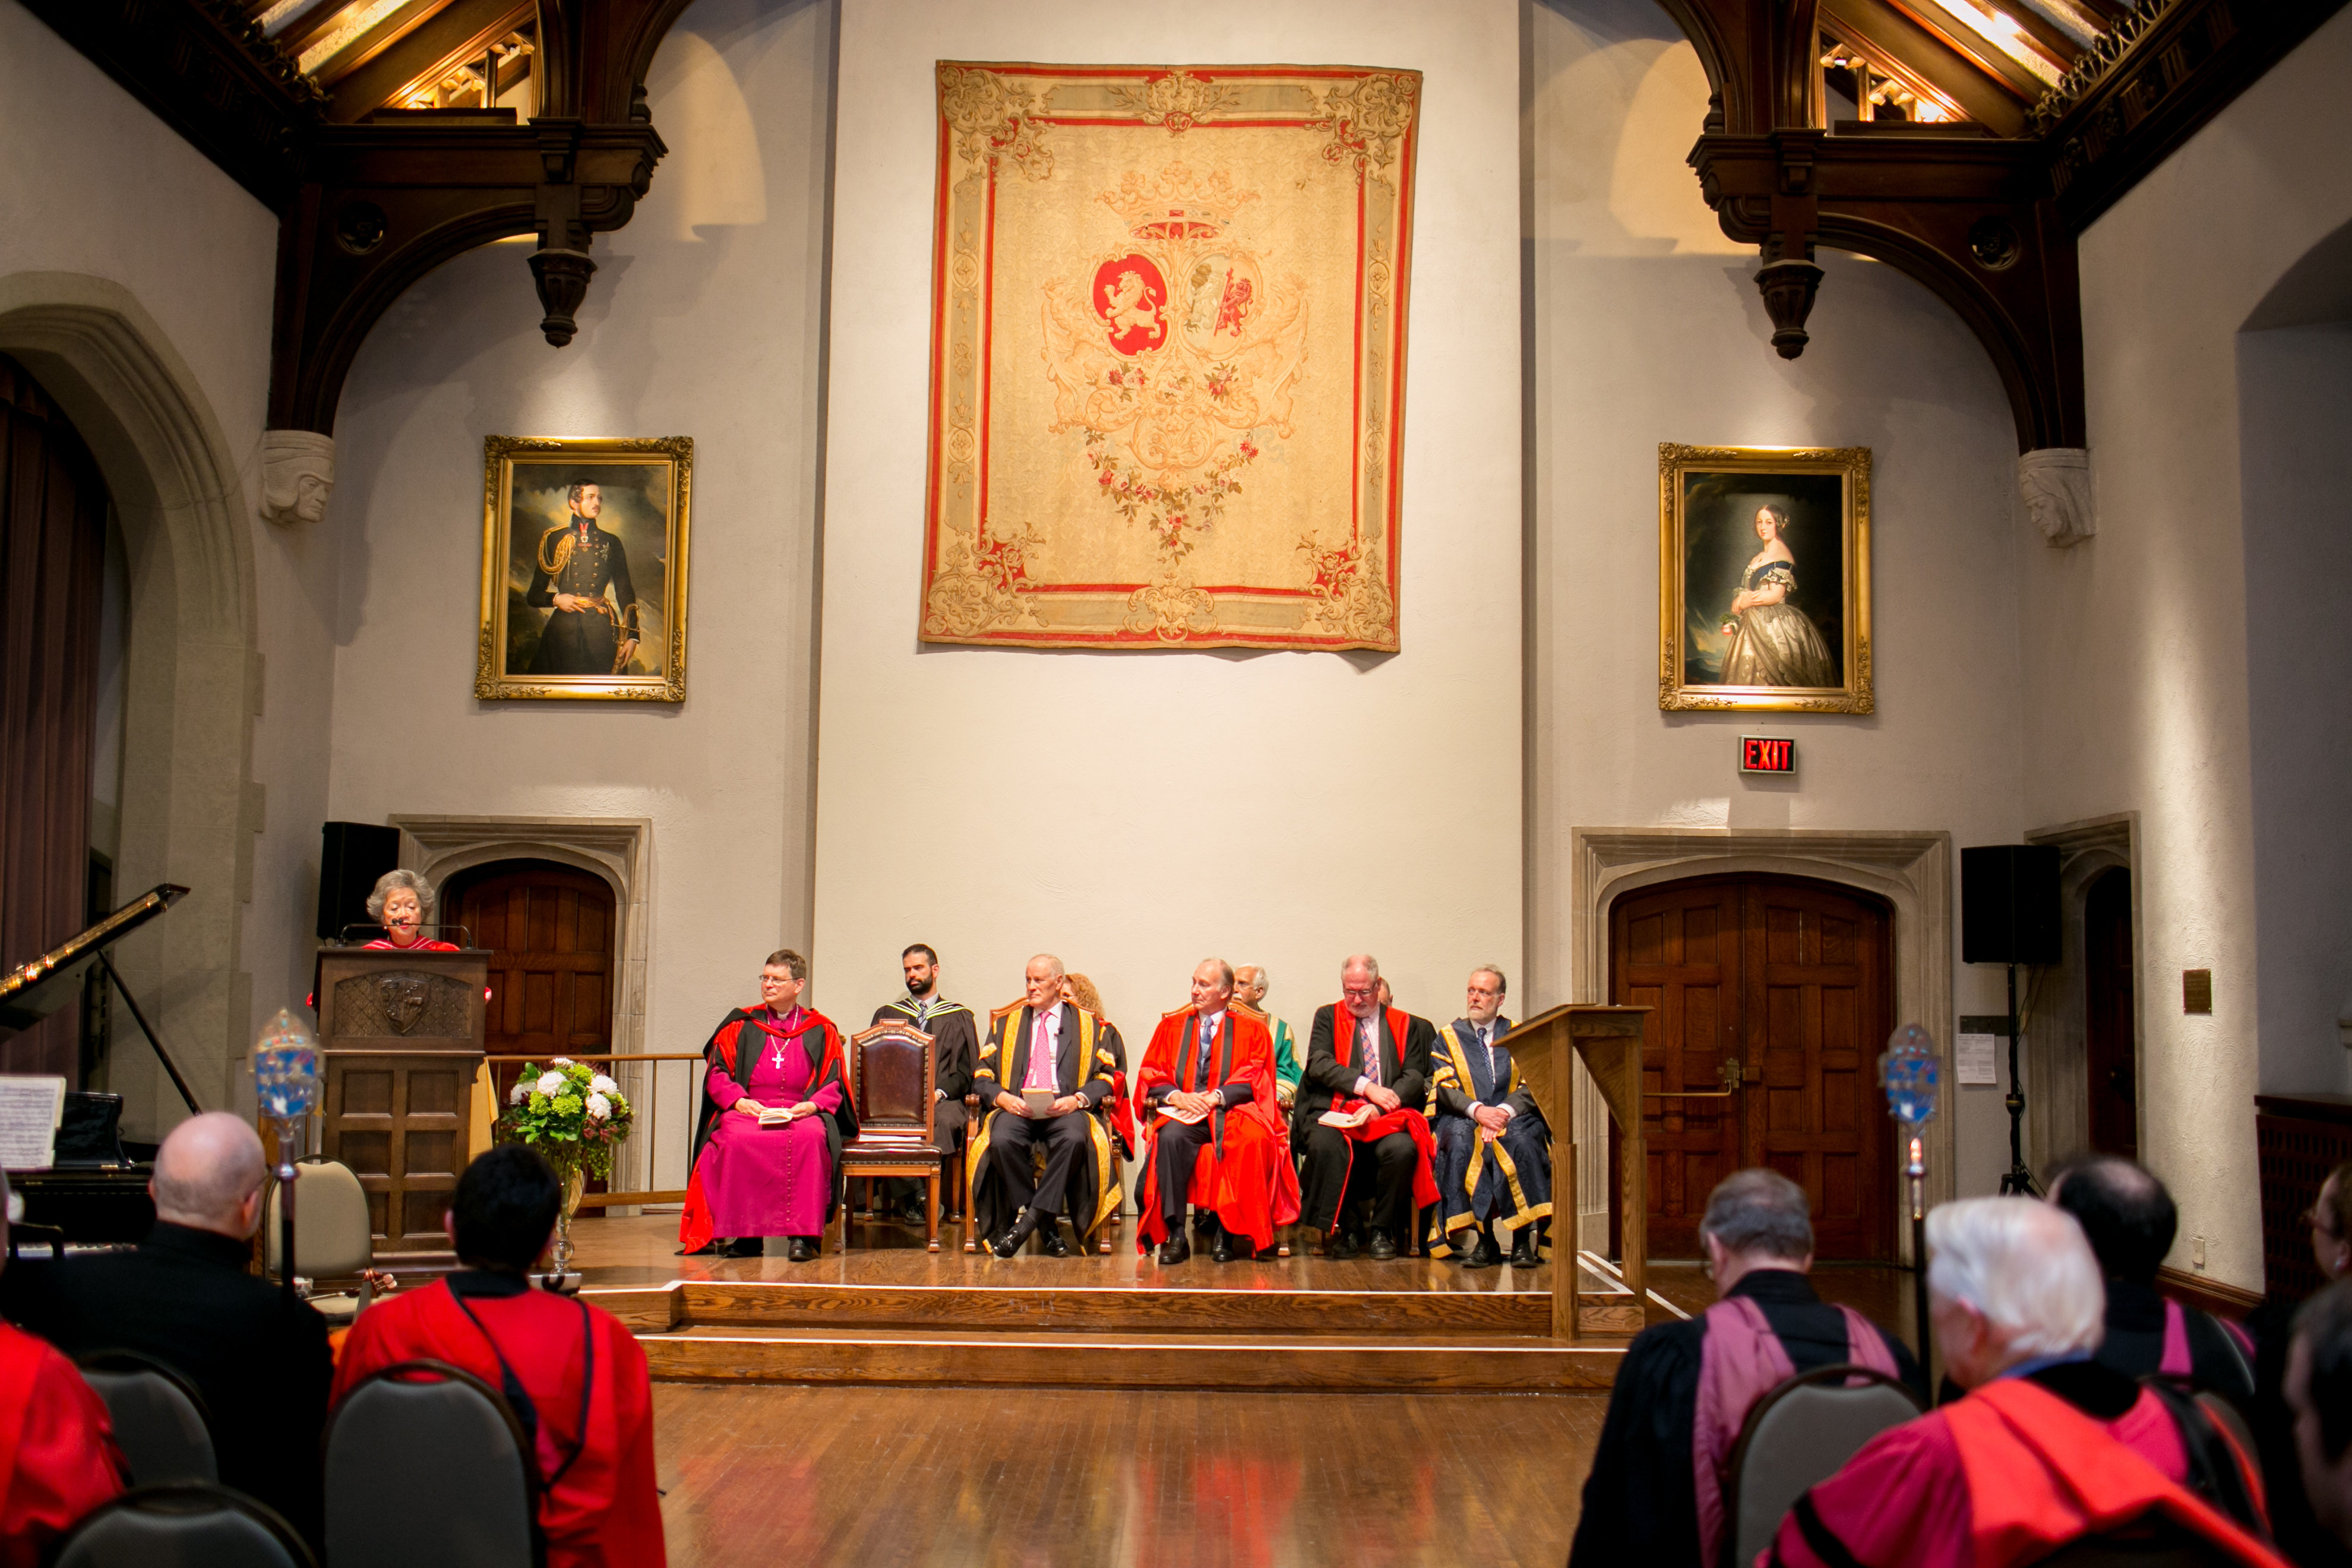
{"type": "Point", "coordinates": [1167, 398]}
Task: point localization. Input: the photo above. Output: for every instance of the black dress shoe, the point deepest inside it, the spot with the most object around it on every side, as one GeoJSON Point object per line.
{"type": "Point", "coordinates": [1485, 1254]}
{"type": "Point", "coordinates": [1340, 1248]}
{"type": "Point", "coordinates": [912, 1213]}
{"type": "Point", "coordinates": [1175, 1250]}
{"type": "Point", "coordinates": [1223, 1252]}
{"type": "Point", "coordinates": [1054, 1246]}
{"type": "Point", "coordinates": [803, 1249]}
{"type": "Point", "coordinates": [746, 1246]}
{"type": "Point", "coordinates": [1008, 1244]}
{"type": "Point", "coordinates": [1383, 1246]}
{"type": "Point", "coordinates": [1523, 1250]}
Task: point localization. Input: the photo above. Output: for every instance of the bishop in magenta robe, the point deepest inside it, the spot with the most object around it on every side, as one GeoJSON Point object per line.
{"type": "Point", "coordinates": [749, 1180]}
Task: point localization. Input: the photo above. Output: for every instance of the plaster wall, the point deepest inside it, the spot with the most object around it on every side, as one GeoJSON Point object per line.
{"type": "Point", "coordinates": [2136, 668]}
{"type": "Point", "coordinates": [996, 802]}
{"type": "Point", "coordinates": [1648, 327]}
{"type": "Point", "coordinates": [703, 319]}
{"type": "Point", "coordinates": [109, 209]}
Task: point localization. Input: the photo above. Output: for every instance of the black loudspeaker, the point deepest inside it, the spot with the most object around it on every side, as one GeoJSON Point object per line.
{"type": "Point", "coordinates": [352, 857]}
{"type": "Point", "coordinates": [2009, 904]}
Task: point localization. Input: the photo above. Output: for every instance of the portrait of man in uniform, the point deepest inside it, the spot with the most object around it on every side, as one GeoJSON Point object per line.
{"type": "Point", "coordinates": [583, 590]}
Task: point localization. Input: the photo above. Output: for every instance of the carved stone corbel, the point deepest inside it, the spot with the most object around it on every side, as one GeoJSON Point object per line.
{"type": "Point", "coordinates": [298, 473]}
{"type": "Point", "coordinates": [2055, 483]}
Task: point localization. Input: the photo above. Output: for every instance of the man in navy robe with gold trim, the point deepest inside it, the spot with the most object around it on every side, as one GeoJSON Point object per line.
{"type": "Point", "coordinates": [1055, 1049]}
{"type": "Point", "coordinates": [1494, 1148]}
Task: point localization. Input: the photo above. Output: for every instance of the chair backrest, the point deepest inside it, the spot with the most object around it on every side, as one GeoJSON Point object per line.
{"type": "Point", "coordinates": [425, 1464]}
{"type": "Point", "coordinates": [334, 1238]}
{"type": "Point", "coordinates": [159, 1418]}
{"type": "Point", "coordinates": [185, 1527]}
{"type": "Point", "coordinates": [1799, 1434]}
{"type": "Point", "coordinates": [891, 1071]}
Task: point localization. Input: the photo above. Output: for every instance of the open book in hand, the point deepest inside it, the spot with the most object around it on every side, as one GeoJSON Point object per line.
{"type": "Point", "coordinates": [1356, 1118]}
{"type": "Point", "coordinates": [778, 1116]}
{"type": "Point", "coordinates": [1189, 1118]}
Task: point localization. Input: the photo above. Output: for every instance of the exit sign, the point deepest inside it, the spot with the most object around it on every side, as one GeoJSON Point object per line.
{"type": "Point", "coordinates": [1766, 755]}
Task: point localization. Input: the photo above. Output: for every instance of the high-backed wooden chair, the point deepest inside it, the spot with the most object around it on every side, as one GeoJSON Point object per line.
{"type": "Point", "coordinates": [890, 1073]}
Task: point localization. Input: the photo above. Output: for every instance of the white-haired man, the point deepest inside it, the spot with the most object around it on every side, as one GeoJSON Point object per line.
{"type": "Point", "coordinates": [186, 1299]}
{"type": "Point", "coordinates": [1043, 1070]}
{"type": "Point", "coordinates": [1250, 984]}
{"type": "Point", "coordinates": [1657, 1493]}
{"type": "Point", "coordinates": [1371, 1064]}
{"type": "Point", "coordinates": [2048, 1447]}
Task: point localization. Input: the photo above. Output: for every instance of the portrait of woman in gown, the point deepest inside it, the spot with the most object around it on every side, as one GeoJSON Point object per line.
{"type": "Point", "coordinates": [1773, 642]}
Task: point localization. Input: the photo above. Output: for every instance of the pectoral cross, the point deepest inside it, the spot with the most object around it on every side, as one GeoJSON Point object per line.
{"type": "Point", "coordinates": [776, 1057]}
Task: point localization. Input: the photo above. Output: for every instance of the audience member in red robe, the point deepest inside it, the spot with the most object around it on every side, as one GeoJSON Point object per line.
{"type": "Point", "coordinates": [56, 1442]}
{"type": "Point", "coordinates": [552, 1356]}
{"type": "Point", "coordinates": [775, 1112]}
{"type": "Point", "coordinates": [2048, 1447]}
{"type": "Point", "coordinates": [1232, 1160]}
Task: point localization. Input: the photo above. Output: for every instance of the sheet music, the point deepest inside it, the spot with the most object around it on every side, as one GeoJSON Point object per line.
{"type": "Point", "coordinates": [30, 1109]}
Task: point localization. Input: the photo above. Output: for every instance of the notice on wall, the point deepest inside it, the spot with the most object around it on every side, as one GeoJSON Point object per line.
{"type": "Point", "coordinates": [30, 1109]}
{"type": "Point", "coordinates": [1972, 1056]}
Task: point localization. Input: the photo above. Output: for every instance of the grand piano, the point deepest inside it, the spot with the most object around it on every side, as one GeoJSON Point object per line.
{"type": "Point", "coordinates": [93, 1193]}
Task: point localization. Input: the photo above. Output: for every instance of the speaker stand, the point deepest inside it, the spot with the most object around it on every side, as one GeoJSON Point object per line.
{"type": "Point", "coordinates": [2018, 1179]}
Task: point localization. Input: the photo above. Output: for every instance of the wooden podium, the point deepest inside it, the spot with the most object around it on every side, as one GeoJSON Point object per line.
{"type": "Point", "coordinates": [400, 1039]}
{"type": "Point", "coordinates": [1608, 1042]}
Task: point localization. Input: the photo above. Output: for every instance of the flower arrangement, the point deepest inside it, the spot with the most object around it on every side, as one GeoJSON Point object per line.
{"type": "Point", "coordinates": [574, 1116]}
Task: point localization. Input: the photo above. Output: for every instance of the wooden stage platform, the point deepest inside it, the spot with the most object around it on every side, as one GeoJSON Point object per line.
{"type": "Point", "coordinates": [886, 1311]}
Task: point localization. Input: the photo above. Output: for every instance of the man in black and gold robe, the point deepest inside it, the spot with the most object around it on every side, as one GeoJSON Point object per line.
{"type": "Point", "coordinates": [587, 633]}
{"type": "Point", "coordinates": [1054, 1051]}
{"type": "Point", "coordinates": [1494, 1148]}
{"type": "Point", "coordinates": [955, 1048]}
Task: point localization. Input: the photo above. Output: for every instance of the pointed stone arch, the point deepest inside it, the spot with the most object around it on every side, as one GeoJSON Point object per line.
{"type": "Point", "coordinates": [190, 806]}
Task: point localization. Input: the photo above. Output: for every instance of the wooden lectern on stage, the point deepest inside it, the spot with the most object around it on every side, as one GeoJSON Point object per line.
{"type": "Point", "coordinates": [1608, 1040]}
{"type": "Point", "coordinates": [400, 1039]}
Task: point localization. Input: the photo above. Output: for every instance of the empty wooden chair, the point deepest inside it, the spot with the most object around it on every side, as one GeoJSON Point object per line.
{"type": "Point", "coordinates": [1799, 1434]}
{"type": "Point", "coordinates": [890, 1077]}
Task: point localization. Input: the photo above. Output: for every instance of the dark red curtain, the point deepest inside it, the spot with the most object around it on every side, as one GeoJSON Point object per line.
{"type": "Point", "coordinates": [52, 563]}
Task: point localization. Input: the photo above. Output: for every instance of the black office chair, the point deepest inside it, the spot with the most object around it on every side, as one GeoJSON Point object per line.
{"type": "Point", "coordinates": [184, 1527]}
{"type": "Point", "coordinates": [426, 1430]}
{"type": "Point", "coordinates": [159, 1418]}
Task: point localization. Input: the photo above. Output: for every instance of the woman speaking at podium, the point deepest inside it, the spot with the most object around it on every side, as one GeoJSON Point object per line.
{"type": "Point", "coordinates": [402, 904]}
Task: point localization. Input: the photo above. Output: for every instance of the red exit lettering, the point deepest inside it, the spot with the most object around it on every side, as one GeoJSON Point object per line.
{"type": "Point", "coordinates": [1766, 754]}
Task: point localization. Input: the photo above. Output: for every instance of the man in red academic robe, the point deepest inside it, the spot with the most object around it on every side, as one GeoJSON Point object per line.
{"type": "Point", "coordinates": [556, 1358]}
{"type": "Point", "coordinates": [775, 1112]}
{"type": "Point", "coordinates": [1213, 1131]}
{"type": "Point", "coordinates": [1367, 1066]}
{"type": "Point", "coordinates": [2048, 1447]}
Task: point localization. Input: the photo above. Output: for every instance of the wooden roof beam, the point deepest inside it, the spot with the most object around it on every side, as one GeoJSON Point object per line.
{"type": "Point", "coordinates": [396, 24]}
{"type": "Point", "coordinates": [459, 34]}
{"type": "Point", "coordinates": [1878, 26]}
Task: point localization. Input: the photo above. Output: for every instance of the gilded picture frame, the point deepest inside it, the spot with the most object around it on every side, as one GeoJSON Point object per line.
{"type": "Point", "coordinates": [1764, 579]}
{"type": "Point", "coordinates": [584, 568]}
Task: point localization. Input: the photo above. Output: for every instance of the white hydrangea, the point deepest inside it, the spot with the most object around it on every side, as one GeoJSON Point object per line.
{"type": "Point", "coordinates": [520, 1092]}
{"type": "Point", "coordinates": [552, 1083]}
{"type": "Point", "coordinates": [562, 1061]}
{"type": "Point", "coordinates": [598, 1108]}
{"type": "Point", "coordinates": [600, 1084]}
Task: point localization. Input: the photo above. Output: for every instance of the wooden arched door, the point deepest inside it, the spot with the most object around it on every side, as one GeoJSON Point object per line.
{"type": "Point", "coordinates": [549, 928]}
{"type": "Point", "coordinates": [1790, 978]}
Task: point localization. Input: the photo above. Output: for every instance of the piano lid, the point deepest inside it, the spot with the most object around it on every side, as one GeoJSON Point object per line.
{"type": "Point", "coordinates": [31, 991]}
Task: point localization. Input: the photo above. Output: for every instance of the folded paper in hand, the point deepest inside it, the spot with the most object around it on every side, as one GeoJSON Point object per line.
{"type": "Point", "coordinates": [1189, 1118]}
{"type": "Point", "coordinates": [777, 1116]}
{"type": "Point", "coordinates": [1040, 1101]}
{"type": "Point", "coordinates": [1356, 1118]}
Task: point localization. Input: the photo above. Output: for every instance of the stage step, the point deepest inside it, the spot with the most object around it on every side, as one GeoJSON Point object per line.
{"type": "Point", "coordinates": [1329, 1363]}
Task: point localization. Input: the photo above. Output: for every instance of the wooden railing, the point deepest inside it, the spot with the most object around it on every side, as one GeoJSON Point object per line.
{"type": "Point", "coordinates": [644, 1091]}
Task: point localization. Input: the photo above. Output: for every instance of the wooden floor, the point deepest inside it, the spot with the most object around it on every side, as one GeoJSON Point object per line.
{"type": "Point", "coordinates": [880, 1405]}
{"type": "Point", "coordinates": [1041, 1478]}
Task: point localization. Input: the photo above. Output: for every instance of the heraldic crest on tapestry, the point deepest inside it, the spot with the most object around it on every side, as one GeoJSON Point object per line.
{"type": "Point", "coordinates": [1168, 355]}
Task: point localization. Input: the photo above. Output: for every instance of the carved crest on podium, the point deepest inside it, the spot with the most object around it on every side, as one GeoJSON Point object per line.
{"type": "Point", "coordinates": [402, 1003]}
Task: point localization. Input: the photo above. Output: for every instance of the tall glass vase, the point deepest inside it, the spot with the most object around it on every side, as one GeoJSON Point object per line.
{"type": "Point", "coordinates": [576, 1181]}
